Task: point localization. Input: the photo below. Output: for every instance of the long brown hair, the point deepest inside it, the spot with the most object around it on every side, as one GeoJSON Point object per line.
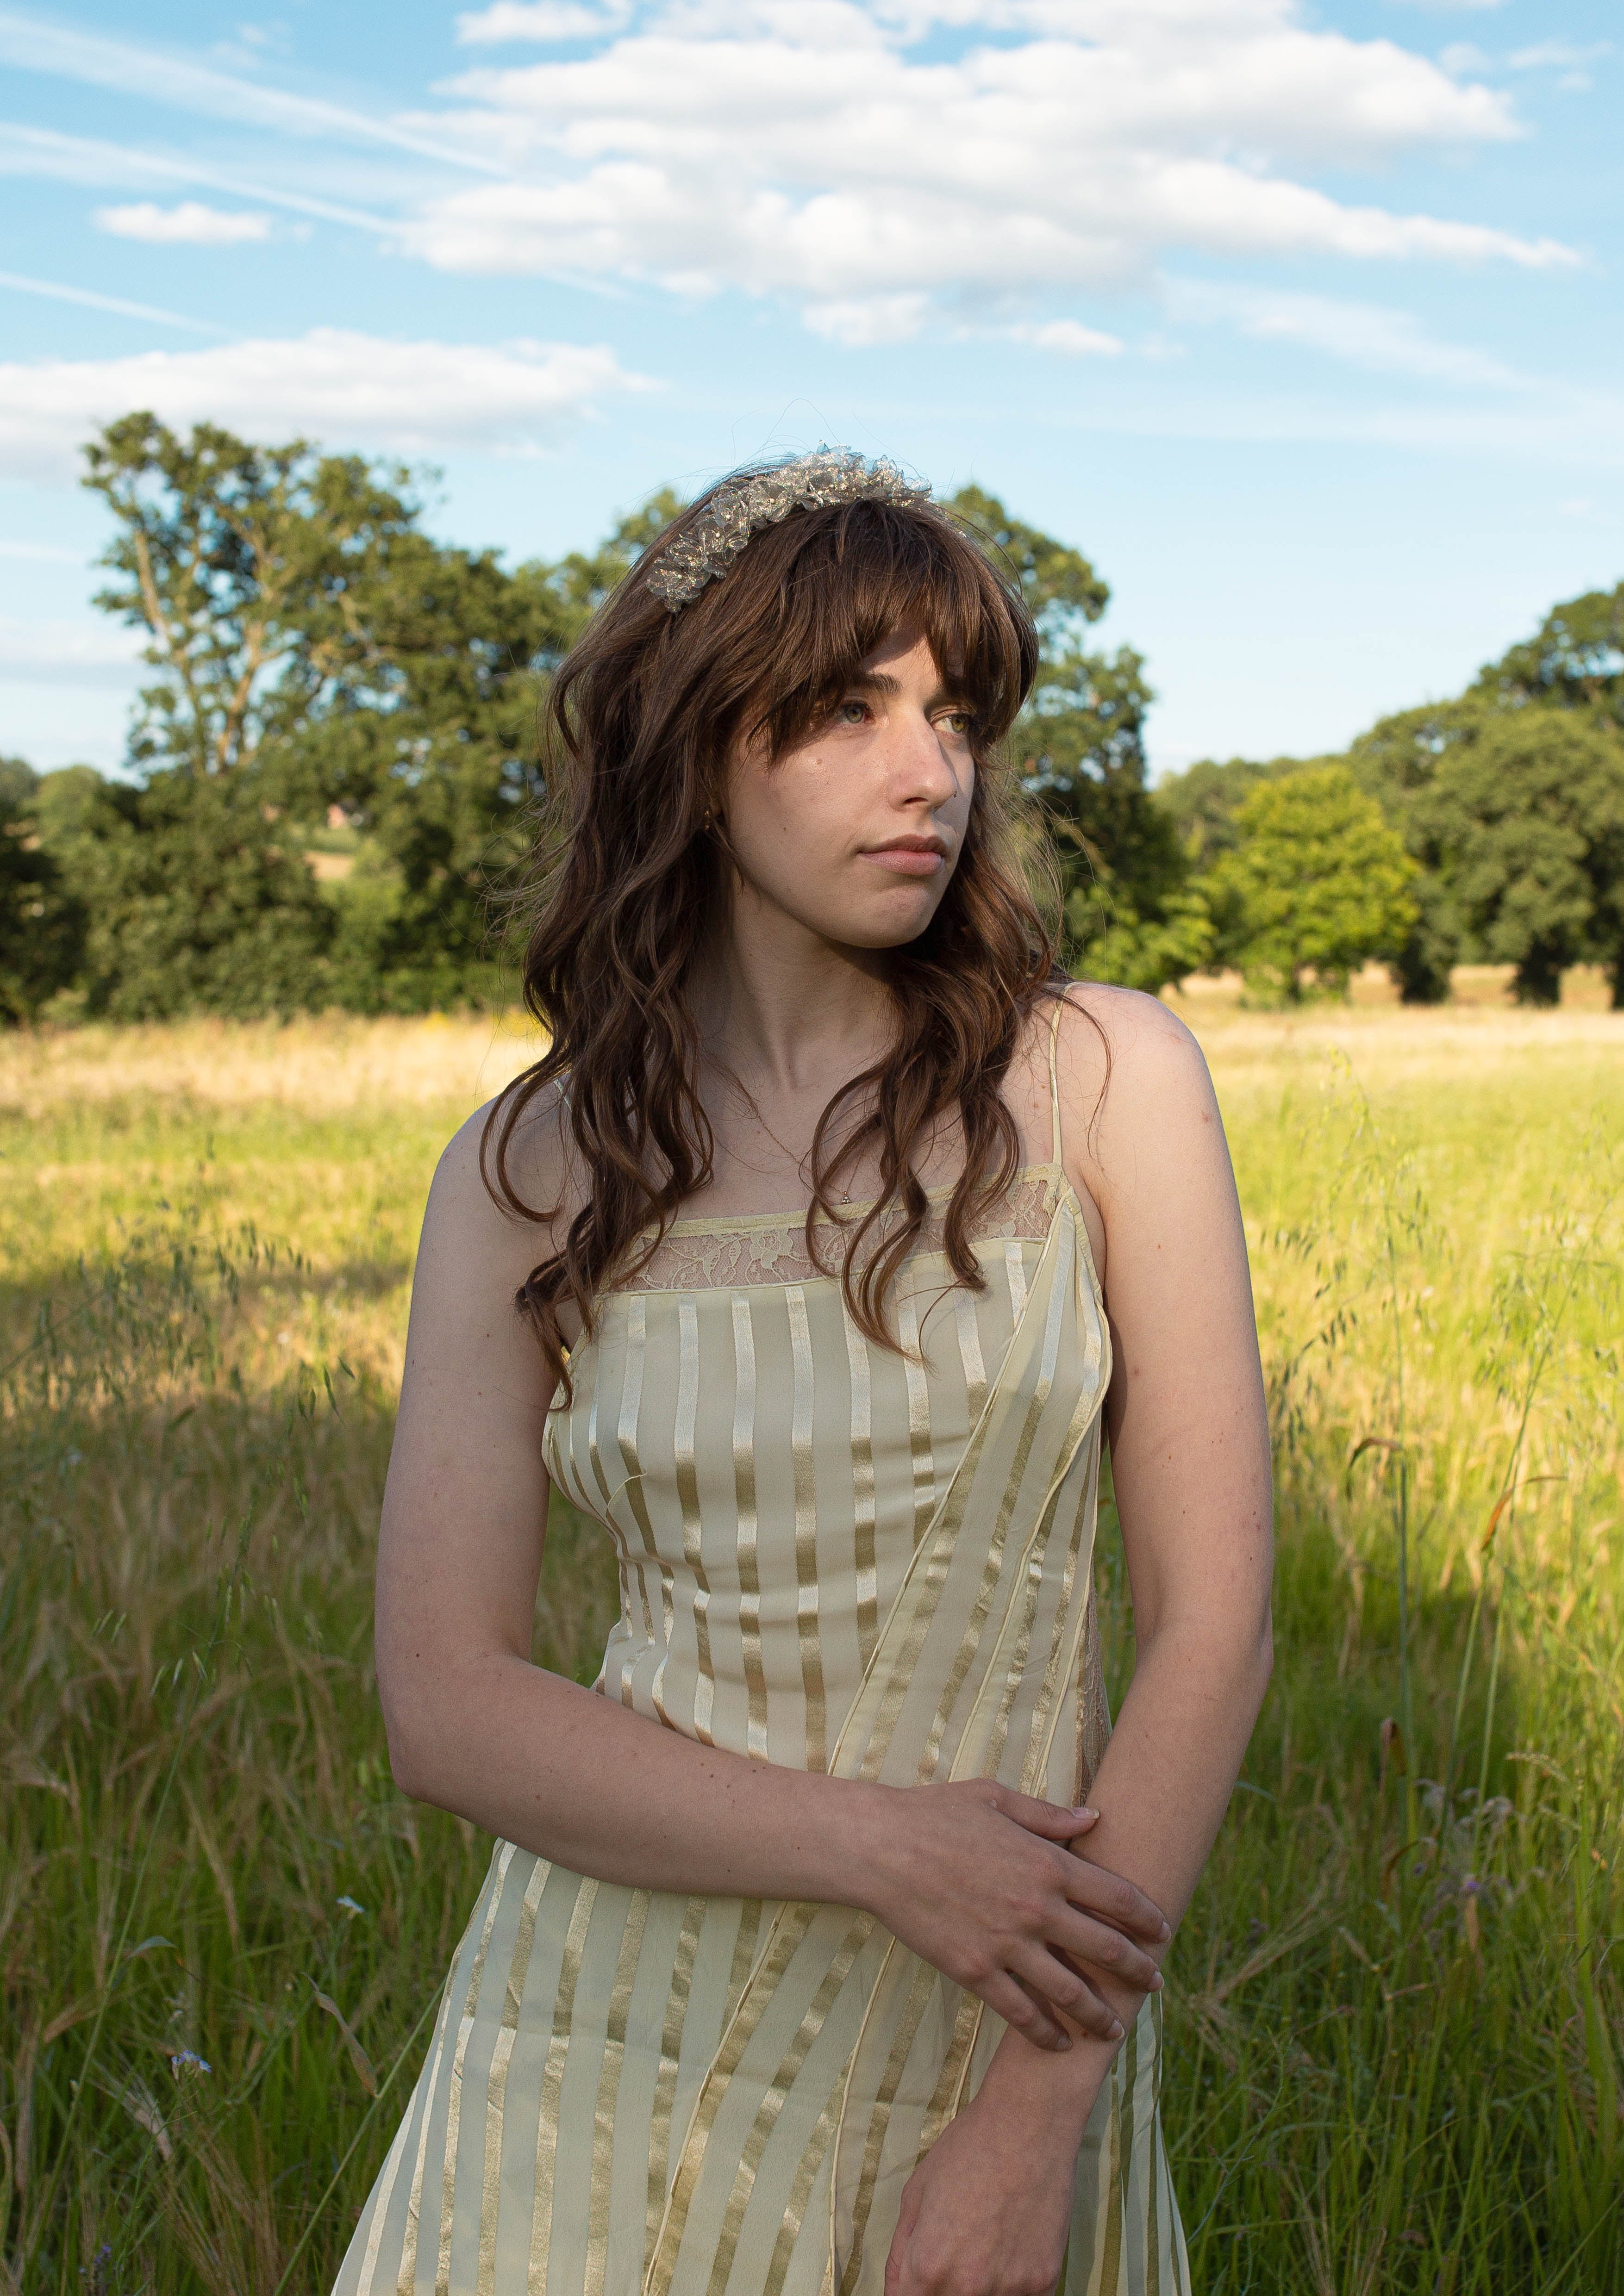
{"type": "Point", "coordinates": [642, 718]}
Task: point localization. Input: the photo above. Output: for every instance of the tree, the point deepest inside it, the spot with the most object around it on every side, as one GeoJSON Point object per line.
{"type": "Point", "coordinates": [1515, 813]}
{"type": "Point", "coordinates": [1317, 881]}
{"type": "Point", "coordinates": [41, 923]}
{"type": "Point", "coordinates": [1204, 801]}
{"type": "Point", "coordinates": [192, 900]}
{"type": "Point", "coordinates": [1129, 912]}
{"type": "Point", "coordinates": [1575, 659]}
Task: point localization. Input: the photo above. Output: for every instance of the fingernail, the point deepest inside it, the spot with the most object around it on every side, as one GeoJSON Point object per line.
{"type": "Point", "coordinates": [1081, 1809]}
{"type": "Point", "coordinates": [1155, 1984]}
{"type": "Point", "coordinates": [1115, 2033]}
{"type": "Point", "coordinates": [1165, 1931]}
{"type": "Point", "coordinates": [1064, 2041]}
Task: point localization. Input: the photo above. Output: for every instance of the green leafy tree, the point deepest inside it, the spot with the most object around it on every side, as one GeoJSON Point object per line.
{"type": "Point", "coordinates": [41, 923]}
{"type": "Point", "coordinates": [1318, 882]}
{"type": "Point", "coordinates": [1204, 801]}
{"type": "Point", "coordinates": [1515, 813]}
{"type": "Point", "coordinates": [192, 900]}
{"type": "Point", "coordinates": [1575, 659]}
{"type": "Point", "coordinates": [1130, 913]}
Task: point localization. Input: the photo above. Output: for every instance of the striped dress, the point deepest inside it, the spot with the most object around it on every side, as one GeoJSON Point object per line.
{"type": "Point", "coordinates": [834, 1557]}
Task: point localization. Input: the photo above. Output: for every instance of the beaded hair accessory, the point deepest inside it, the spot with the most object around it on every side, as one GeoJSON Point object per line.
{"type": "Point", "coordinates": [741, 507]}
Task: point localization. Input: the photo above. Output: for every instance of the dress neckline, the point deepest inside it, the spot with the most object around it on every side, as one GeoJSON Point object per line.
{"type": "Point", "coordinates": [753, 1223]}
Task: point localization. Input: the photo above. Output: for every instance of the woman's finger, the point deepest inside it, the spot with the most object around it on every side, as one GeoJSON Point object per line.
{"type": "Point", "coordinates": [1047, 1981]}
{"type": "Point", "coordinates": [1052, 1819]}
{"type": "Point", "coordinates": [1112, 1898]}
{"type": "Point", "coordinates": [1096, 1945]}
{"type": "Point", "coordinates": [1018, 2008]}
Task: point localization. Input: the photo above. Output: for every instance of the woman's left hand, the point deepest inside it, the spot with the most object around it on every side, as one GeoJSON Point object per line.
{"type": "Point", "coordinates": [987, 2211]}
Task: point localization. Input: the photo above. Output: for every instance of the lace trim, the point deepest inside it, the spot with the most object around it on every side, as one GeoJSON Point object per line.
{"type": "Point", "coordinates": [771, 1247]}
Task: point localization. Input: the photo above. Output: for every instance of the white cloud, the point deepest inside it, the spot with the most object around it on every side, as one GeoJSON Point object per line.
{"type": "Point", "coordinates": [539, 20]}
{"type": "Point", "coordinates": [1558, 55]}
{"type": "Point", "coordinates": [1369, 335]}
{"type": "Point", "coordinates": [1068, 336]}
{"type": "Point", "coordinates": [191, 224]}
{"type": "Point", "coordinates": [40, 653]}
{"type": "Point", "coordinates": [344, 389]}
{"type": "Point", "coordinates": [801, 149]}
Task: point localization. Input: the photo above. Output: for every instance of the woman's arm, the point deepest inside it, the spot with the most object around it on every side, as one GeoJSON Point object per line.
{"type": "Point", "coordinates": [987, 2212]}
{"type": "Point", "coordinates": [973, 1876]}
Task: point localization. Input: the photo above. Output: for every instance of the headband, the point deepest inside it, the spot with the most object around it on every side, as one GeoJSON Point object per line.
{"type": "Point", "coordinates": [741, 507]}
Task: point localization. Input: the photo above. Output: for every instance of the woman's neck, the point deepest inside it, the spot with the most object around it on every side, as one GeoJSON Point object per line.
{"type": "Point", "coordinates": [787, 1013]}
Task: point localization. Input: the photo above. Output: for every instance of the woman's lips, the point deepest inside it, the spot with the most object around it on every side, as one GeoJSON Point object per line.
{"type": "Point", "coordinates": [908, 860]}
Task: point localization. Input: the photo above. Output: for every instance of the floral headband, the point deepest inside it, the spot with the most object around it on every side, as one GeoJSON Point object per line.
{"type": "Point", "coordinates": [741, 507]}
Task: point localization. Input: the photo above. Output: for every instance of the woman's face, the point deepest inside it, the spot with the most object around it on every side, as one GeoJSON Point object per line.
{"type": "Point", "coordinates": [854, 833]}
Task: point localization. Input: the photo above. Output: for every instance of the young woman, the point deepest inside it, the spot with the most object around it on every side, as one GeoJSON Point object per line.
{"type": "Point", "coordinates": [842, 1230]}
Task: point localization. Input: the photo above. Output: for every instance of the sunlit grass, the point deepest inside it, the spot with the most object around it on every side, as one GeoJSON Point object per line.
{"type": "Point", "coordinates": [1395, 2027]}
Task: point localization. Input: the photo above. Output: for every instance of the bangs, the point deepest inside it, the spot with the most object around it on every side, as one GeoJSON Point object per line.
{"type": "Point", "coordinates": [828, 587]}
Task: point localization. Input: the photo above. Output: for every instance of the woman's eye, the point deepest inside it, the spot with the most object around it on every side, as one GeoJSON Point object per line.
{"type": "Point", "coordinates": [852, 713]}
{"type": "Point", "coordinates": [957, 722]}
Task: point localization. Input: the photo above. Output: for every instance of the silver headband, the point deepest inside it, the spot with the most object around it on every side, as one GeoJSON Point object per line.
{"type": "Point", "coordinates": [741, 507]}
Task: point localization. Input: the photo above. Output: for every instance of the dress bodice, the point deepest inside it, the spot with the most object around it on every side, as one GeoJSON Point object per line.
{"type": "Point", "coordinates": [766, 1472]}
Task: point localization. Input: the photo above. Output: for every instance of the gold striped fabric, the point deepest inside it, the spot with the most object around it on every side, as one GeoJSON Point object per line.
{"type": "Point", "coordinates": [835, 1558]}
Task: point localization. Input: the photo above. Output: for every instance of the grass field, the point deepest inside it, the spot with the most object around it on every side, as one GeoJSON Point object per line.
{"type": "Point", "coordinates": [1397, 2020]}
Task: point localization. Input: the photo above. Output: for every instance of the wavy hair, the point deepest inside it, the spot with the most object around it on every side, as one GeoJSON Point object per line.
{"type": "Point", "coordinates": [643, 716]}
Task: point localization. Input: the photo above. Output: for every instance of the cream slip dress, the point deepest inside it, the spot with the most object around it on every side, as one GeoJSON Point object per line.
{"type": "Point", "coordinates": [836, 1558]}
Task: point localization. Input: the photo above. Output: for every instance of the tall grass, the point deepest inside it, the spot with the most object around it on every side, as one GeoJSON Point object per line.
{"type": "Point", "coordinates": [1395, 2018]}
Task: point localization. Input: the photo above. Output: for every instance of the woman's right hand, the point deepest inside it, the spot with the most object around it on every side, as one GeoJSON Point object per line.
{"type": "Point", "coordinates": [977, 1880]}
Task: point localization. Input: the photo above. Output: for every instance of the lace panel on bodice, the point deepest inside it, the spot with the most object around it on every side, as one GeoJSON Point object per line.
{"type": "Point", "coordinates": [771, 1247]}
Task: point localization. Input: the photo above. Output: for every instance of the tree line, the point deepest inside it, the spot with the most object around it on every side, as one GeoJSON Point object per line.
{"type": "Point", "coordinates": [335, 760]}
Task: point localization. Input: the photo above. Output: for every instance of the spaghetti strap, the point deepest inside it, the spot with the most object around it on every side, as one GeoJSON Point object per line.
{"type": "Point", "coordinates": [1054, 1142]}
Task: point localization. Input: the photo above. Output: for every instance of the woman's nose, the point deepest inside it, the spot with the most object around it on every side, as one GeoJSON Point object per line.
{"type": "Point", "coordinates": [922, 763]}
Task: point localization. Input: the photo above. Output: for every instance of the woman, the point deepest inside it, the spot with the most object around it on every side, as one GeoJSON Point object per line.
{"type": "Point", "coordinates": [801, 1968]}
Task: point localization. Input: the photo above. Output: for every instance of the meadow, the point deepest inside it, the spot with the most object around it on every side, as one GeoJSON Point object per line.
{"type": "Point", "coordinates": [1395, 2011]}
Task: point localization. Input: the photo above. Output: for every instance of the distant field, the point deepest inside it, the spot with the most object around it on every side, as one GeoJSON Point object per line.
{"type": "Point", "coordinates": [1397, 2056]}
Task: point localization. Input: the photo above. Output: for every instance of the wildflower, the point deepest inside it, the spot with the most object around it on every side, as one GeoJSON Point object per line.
{"type": "Point", "coordinates": [350, 1906]}
{"type": "Point", "coordinates": [187, 2061]}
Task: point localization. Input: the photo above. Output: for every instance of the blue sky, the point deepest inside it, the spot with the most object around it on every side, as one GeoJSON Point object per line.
{"type": "Point", "coordinates": [1303, 321]}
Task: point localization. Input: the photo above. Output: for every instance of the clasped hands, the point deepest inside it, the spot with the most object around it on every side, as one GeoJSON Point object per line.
{"type": "Point", "coordinates": [980, 1881]}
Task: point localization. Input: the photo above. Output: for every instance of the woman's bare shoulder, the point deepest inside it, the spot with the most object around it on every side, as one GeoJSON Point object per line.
{"type": "Point", "coordinates": [503, 1183]}
{"type": "Point", "coordinates": [1131, 1078]}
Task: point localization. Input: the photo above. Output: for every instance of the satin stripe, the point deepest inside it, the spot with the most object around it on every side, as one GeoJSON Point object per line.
{"type": "Point", "coordinates": [744, 1951]}
{"type": "Point", "coordinates": [925, 1980]}
{"type": "Point", "coordinates": [862, 1483]}
{"type": "Point", "coordinates": [745, 1507]}
{"type": "Point", "coordinates": [1055, 1155]}
{"type": "Point", "coordinates": [609, 2082]}
{"type": "Point", "coordinates": [919, 1417]}
{"type": "Point", "coordinates": [782, 1940]}
{"type": "Point", "coordinates": [968, 1331]}
{"type": "Point", "coordinates": [626, 1436]}
{"type": "Point", "coordinates": [386, 2188]}
{"type": "Point", "coordinates": [942, 2106]}
{"type": "Point", "coordinates": [552, 2081]}
{"type": "Point", "coordinates": [795, 2207]}
{"type": "Point", "coordinates": [454, 2106]}
{"type": "Point", "coordinates": [664, 2079]}
{"type": "Point", "coordinates": [495, 2093]}
{"type": "Point", "coordinates": [1014, 1269]}
{"type": "Point", "coordinates": [777, 2091]}
{"type": "Point", "coordinates": [806, 1530]}
{"type": "Point", "coordinates": [687, 1495]}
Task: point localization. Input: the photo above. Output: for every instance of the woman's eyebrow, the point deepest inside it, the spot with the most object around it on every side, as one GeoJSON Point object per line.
{"type": "Point", "coordinates": [880, 682]}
